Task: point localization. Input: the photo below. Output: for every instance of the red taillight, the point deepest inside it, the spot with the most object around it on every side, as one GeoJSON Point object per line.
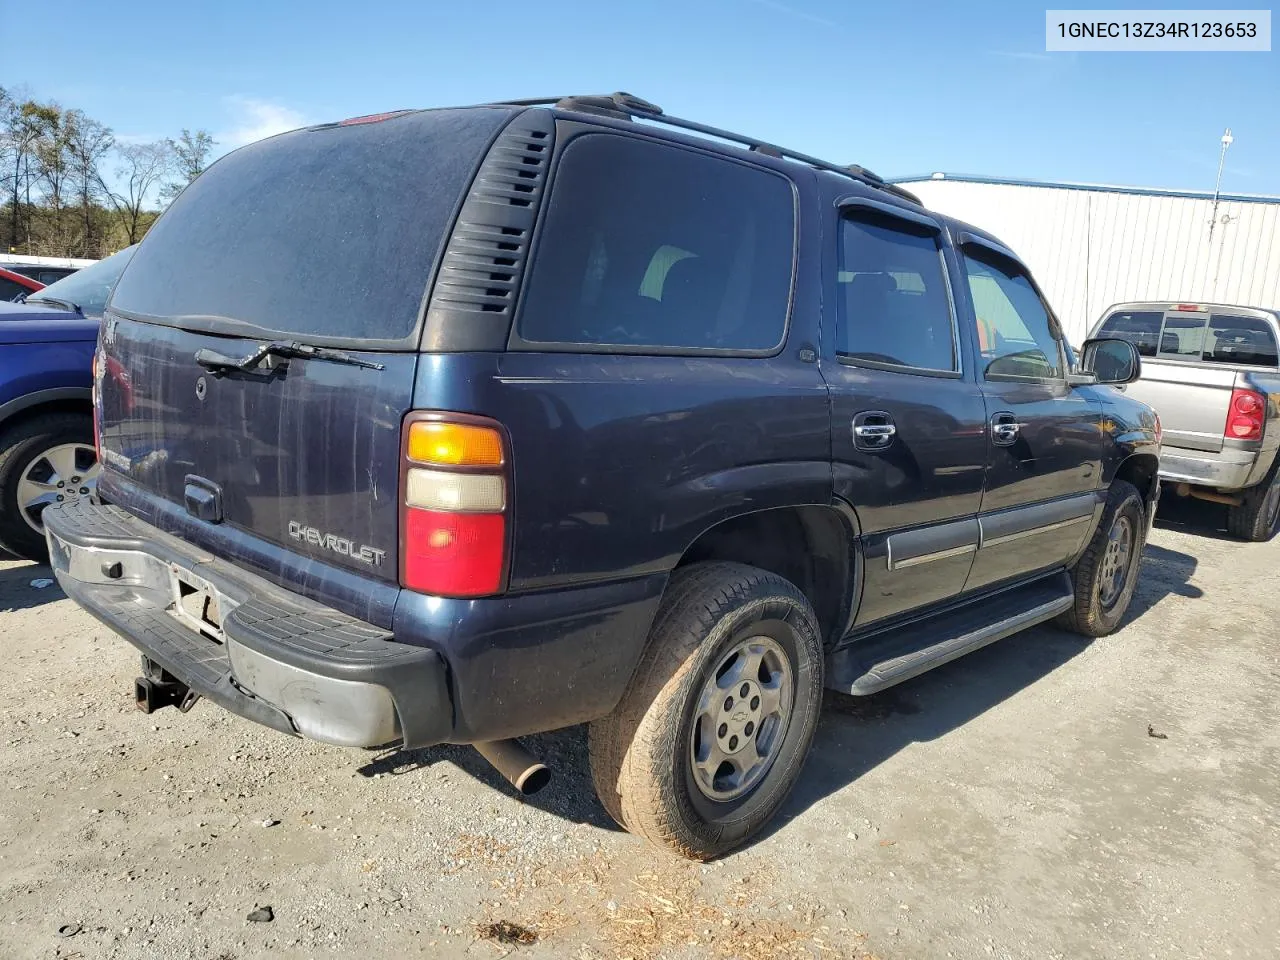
{"type": "Point", "coordinates": [1245, 416]}
{"type": "Point", "coordinates": [453, 496]}
{"type": "Point", "coordinates": [454, 554]}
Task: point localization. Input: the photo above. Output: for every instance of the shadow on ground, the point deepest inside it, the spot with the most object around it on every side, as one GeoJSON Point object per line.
{"type": "Point", "coordinates": [16, 591]}
{"type": "Point", "coordinates": [570, 796]}
{"type": "Point", "coordinates": [1197, 517]}
{"type": "Point", "coordinates": [857, 733]}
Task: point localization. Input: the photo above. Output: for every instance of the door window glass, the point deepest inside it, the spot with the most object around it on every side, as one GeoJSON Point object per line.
{"type": "Point", "coordinates": [1015, 334]}
{"type": "Point", "coordinates": [893, 306]}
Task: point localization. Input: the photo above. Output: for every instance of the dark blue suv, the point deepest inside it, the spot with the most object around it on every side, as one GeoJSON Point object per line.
{"type": "Point", "coordinates": [457, 425]}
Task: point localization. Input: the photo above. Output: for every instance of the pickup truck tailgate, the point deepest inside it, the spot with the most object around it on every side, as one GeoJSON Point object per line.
{"type": "Point", "coordinates": [1192, 401]}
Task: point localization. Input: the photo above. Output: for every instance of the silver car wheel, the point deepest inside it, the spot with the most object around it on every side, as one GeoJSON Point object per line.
{"type": "Point", "coordinates": [741, 719]}
{"type": "Point", "coordinates": [67, 472]}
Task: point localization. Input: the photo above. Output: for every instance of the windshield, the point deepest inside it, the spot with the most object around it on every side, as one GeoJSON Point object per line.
{"type": "Point", "coordinates": [89, 288]}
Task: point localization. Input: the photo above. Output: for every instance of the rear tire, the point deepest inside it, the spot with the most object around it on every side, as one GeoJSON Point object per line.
{"type": "Point", "coordinates": [723, 628]}
{"type": "Point", "coordinates": [1255, 518]}
{"type": "Point", "coordinates": [20, 446]}
{"type": "Point", "coordinates": [1106, 574]}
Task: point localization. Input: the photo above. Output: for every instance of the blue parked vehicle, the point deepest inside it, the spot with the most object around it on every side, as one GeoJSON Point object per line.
{"type": "Point", "coordinates": [600, 418]}
{"type": "Point", "coordinates": [46, 413]}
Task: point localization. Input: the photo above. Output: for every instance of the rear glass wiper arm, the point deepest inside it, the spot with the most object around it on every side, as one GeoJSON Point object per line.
{"type": "Point", "coordinates": [212, 360]}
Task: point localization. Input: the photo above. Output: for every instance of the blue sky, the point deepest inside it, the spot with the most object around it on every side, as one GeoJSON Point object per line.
{"type": "Point", "coordinates": [901, 88]}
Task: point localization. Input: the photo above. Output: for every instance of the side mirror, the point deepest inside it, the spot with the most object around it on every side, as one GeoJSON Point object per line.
{"type": "Point", "coordinates": [1110, 360]}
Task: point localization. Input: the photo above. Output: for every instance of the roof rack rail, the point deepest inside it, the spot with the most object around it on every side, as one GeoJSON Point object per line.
{"type": "Point", "coordinates": [625, 106]}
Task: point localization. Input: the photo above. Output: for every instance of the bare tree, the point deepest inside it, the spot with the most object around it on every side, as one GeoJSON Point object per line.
{"type": "Point", "coordinates": [191, 155]}
{"type": "Point", "coordinates": [87, 143]}
{"type": "Point", "coordinates": [142, 167]}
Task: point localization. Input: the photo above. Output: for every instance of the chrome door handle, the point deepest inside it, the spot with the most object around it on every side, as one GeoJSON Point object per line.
{"type": "Point", "coordinates": [872, 431]}
{"type": "Point", "coordinates": [1004, 429]}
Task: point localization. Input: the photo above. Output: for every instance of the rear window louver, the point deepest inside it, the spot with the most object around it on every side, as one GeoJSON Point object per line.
{"type": "Point", "coordinates": [474, 295]}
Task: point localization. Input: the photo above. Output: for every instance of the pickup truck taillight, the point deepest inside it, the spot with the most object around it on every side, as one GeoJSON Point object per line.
{"type": "Point", "coordinates": [453, 519]}
{"type": "Point", "coordinates": [1245, 416]}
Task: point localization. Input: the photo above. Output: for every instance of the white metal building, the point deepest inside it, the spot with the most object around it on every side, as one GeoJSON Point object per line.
{"type": "Point", "coordinates": [1091, 245]}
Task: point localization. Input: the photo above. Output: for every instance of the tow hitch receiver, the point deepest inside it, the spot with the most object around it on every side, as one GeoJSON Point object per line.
{"type": "Point", "coordinates": [162, 690]}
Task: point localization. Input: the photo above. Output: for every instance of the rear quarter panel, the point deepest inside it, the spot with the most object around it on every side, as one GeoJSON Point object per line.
{"type": "Point", "coordinates": [619, 463]}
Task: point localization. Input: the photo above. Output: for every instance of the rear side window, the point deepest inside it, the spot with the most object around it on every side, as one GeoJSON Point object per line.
{"type": "Point", "coordinates": [1139, 327]}
{"type": "Point", "coordinates": [653, 247]}
{"type": "Point", "coordinates": [329, 233]}
{"type": "Point", "coordinates": [893, 306]}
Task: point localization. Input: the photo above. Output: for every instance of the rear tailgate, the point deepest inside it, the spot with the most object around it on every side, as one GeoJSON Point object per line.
{"type": "Point", "coordinates": [1192, 400]}
{"type": "Point", "coordinates": [325, 237]}
{"type": "Point", "coordinates": [306, 457]}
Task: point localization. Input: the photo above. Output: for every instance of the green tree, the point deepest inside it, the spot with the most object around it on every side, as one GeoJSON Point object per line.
{"type": "Point", "coordinates": [23, 126]}
{"type": "Point", "coordinates": [53, 166]}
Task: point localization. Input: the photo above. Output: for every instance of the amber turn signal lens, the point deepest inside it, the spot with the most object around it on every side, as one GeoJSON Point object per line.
{"type": "Point", "coordinates": [454, 444]}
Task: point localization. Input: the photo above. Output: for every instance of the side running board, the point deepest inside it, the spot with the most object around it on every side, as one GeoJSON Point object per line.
{"type": "Point", "coordinates": [870, 664]}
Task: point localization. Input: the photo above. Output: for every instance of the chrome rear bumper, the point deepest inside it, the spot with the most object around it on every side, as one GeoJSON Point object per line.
{"type": "Point", "coordinates": [261, 651]}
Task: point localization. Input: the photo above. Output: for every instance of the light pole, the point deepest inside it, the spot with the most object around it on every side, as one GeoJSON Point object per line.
{"type": "Point", "coordinates": [1227, 140]}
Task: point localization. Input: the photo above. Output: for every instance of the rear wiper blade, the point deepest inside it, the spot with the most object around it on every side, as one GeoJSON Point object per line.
{"type": "Point", "coordinates": [212, 360]}
{"type": "Point", "coordinates": [65, 304]}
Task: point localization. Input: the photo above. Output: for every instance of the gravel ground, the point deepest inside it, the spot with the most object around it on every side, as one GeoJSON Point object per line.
{"type": "Point", "coordinates": [1046, 797]}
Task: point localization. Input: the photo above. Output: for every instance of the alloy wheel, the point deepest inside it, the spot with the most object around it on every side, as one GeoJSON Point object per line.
{"type": "Point", "coordinates": [741, 719]}
{"type": "Point", "coordinates": [67, 472]}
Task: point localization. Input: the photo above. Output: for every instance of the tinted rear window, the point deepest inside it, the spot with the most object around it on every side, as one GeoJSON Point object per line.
{"type": "Point", "coordinates": [1241, 340]}
{"type": "Point", "coordinates": [327, 233]}
{"type": "Point", "coordinates": [652, 246]}
{"type": "Point", "coordinates": [1139, 327]}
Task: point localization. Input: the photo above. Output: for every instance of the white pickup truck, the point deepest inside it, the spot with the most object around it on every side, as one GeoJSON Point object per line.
{"type": "Point", "coordinates": [1212, 372]}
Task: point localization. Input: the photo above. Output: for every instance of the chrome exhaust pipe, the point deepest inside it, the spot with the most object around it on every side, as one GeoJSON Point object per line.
{"type": "Point", "coordinates": [517, 765]}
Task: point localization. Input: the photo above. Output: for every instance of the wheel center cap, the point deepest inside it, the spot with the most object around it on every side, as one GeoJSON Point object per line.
{"type": "Point", "coordinates": [739, 718]}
